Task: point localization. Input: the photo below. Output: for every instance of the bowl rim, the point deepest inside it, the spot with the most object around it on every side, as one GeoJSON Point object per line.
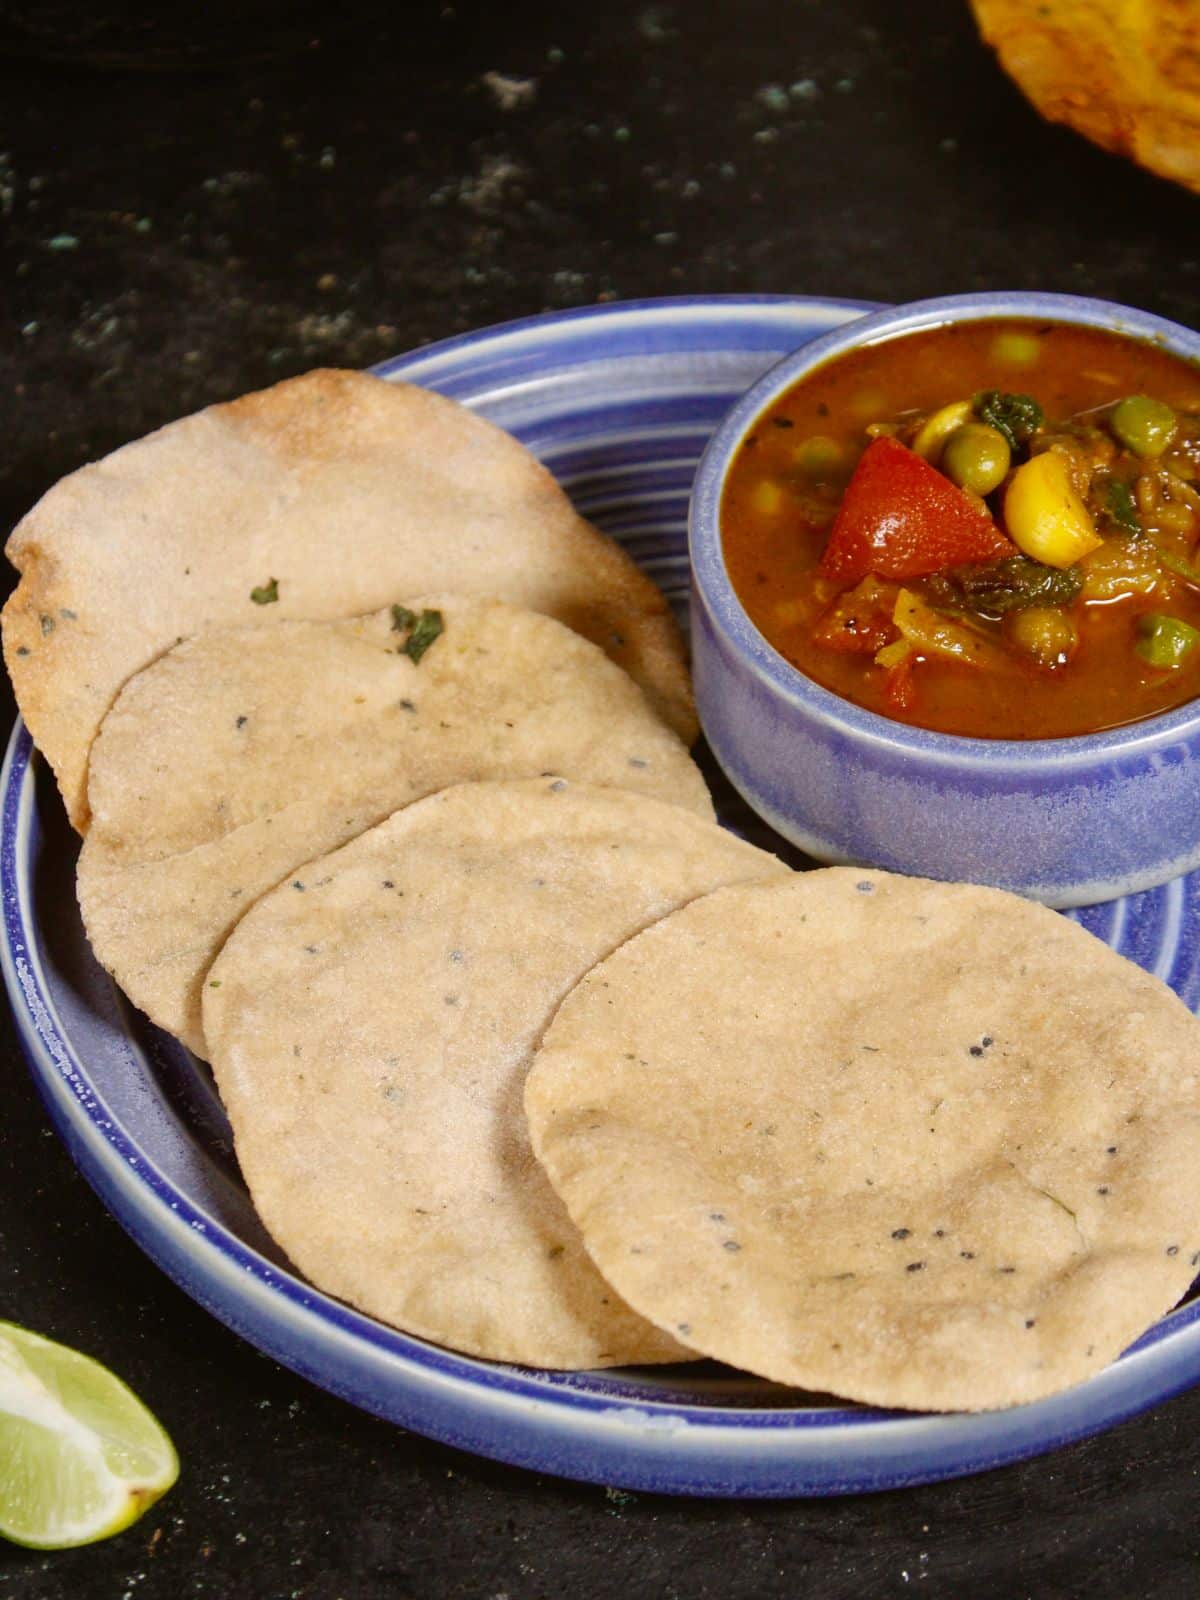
{"type": "Point", "coordinates": [713, 589]}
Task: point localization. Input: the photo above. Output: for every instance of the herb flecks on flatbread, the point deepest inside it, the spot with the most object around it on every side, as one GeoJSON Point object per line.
{"type": "Point", "coordinates": [244, 752]}
{"type": "Point", "coordinates": [370, 1038]}
{"type": "Point", "coordinates": [326, 496]}
{"type": "Point", "coordinates": [936, 1146]}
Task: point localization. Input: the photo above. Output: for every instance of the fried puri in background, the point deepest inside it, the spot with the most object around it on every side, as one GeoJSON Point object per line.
{"type": "Point", "coordinates": [1124, 73]}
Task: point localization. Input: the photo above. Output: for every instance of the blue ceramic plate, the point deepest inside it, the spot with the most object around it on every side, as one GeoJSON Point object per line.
{"type": "Point", "coordinates": [619, 402]}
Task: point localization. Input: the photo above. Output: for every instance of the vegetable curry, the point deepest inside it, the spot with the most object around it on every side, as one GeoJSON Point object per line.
{"type": "Point", "coordinates": [987, 529]}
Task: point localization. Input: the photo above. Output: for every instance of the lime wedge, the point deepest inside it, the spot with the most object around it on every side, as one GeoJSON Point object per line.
{"type": "Point", "coordinates": [80, 1456]}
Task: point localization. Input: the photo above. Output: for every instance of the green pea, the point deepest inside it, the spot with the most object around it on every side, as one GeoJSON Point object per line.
{"type": "Point", "coordinates": [1165, 641]}
{"type": "Point", "coordinates": [976, 457]}
{"type": "Point", "coordinates": [1046, 633]}
{"type": "Point", "coordinates": [1143, 425]}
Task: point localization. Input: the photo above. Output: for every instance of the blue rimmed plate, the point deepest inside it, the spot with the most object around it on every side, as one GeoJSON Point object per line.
{"type": "Point", "coordinates": [619, 402]}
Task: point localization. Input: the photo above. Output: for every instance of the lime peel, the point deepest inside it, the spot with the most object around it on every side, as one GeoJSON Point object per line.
{"type": "Point", "coordinates": [80, 1455]}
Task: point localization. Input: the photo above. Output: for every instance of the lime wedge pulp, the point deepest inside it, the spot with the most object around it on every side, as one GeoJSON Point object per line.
{"type": "Point", "coordinates": [80, 1456]}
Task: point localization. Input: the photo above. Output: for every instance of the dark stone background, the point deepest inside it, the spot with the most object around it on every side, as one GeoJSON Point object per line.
{"type": "Point", "coordinates": [195, 202]}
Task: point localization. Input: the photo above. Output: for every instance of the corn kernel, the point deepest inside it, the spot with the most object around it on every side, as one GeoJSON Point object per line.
{"type": "Point", "coordinates": [868, 405]}
{"type": "Point", "coordinates": [1044, 516]}
{"type": "Point", "coordinates": [1013, 349]}
{"type": "Point", "coordinates": [767, 498]}
{"type": "Point", "coordinates": [931, 436]}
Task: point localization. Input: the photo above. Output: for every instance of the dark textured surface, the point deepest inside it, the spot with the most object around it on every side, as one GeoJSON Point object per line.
{"type": "Point", "coordinates": [192, 209]}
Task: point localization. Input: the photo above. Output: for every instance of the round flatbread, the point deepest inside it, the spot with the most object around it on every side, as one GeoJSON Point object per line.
{"type": "Point", "coordinates": [327, 496]}
{"type": "Point", "coordinates": [244, 752]}
{"type": "Point", "coordinates": [1124, 73]}
{"type": "Point", "coordinates": [371, 1029]}
{"type": "Point", "coordinates": [917, 1144]}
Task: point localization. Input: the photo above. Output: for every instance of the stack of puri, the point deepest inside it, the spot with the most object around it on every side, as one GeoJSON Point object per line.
{"type": "Point", "coordinates": [376, 750]}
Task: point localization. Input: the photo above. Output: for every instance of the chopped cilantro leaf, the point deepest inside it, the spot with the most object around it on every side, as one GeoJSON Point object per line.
{"type": "Point", "coordinates": [421, 630]}
{"type": "Point", "coordinates": [1176, 564]}
{"type": "Point", "coordinates": [1118, 503]}
{"type": "Point", "coordinates": [267, 594]}
{"type": "Point", "coordinates": [428, 627]}
{"type": "Point", "coordinates": [1017, 416]}
{"type": "Point", "coordinates": [997, 587]}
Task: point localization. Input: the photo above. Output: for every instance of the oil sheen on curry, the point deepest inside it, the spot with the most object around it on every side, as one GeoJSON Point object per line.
{"type": "Point", "coordinates": [988, 529]}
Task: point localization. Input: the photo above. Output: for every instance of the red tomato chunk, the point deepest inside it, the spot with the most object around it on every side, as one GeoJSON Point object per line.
{"type": "Point", "coordinates": [902, 519]}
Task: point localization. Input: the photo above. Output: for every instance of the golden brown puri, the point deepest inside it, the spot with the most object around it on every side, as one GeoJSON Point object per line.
{"type": "Point", "coordinates": [1124, 73]}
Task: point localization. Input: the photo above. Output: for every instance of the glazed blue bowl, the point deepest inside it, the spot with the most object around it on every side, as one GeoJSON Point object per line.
{"type": "Point", "coordinates": [1068, 821]}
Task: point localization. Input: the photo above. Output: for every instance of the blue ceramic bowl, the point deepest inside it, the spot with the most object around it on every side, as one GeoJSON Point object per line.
{"type": "Point", "coordinates": [1066, 821]}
